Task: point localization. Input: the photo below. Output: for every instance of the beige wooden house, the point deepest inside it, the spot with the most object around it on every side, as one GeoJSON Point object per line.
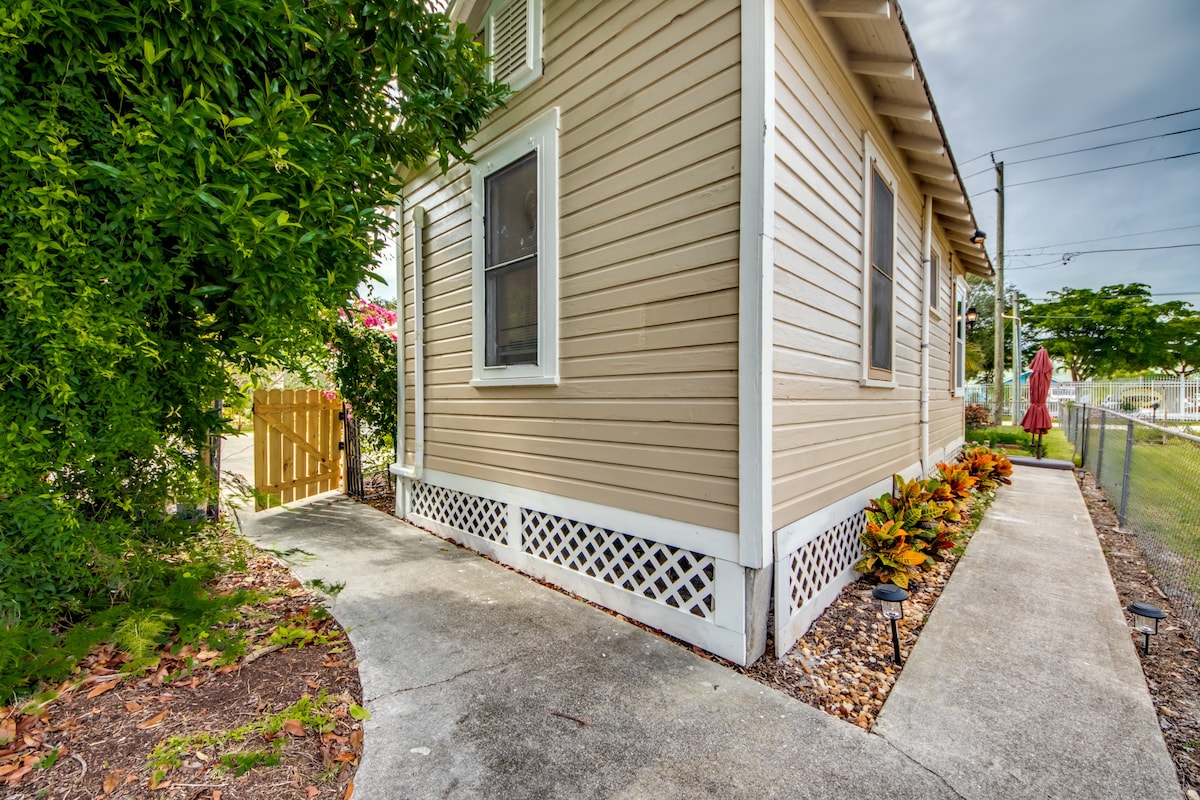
{"type": "Point", "coordinates": [697, 300]}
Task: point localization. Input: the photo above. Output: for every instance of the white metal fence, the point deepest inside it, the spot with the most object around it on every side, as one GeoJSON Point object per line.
{"type": "Point", "coordinates": [1176, 400]}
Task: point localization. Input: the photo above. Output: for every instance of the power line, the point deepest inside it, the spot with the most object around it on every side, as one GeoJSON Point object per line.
{"type": "Point", "coordinates": [1068, 257]}
{"type": "Point", "coordinates": [1082, 133]}
{"type": "Point", "coordinates": [1086, 150]}
{"type": "Point", "coordinates": [1104, 169]}
{"type": "Point", "coordinates": [1152, 294]}
{"type": "Point", "coordinates": [1104, 238]}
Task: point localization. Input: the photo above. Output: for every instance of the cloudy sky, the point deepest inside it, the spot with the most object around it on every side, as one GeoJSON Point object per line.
{"type": "Point", "coordinates": [1007, 72]}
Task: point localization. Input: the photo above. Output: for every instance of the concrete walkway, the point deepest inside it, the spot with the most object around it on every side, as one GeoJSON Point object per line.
{"type": "Point", "coordinates": [484, 684]}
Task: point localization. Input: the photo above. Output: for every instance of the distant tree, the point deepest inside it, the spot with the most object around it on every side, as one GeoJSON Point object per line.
{"type": "Point", "coordinates": [188, 188]}
{"type": "Point", "coordinates": [1097, 333]}
{"type": "Point", "coordinates": [1180, 344]}
{"type": "Point", "coordinates": [981, 339]}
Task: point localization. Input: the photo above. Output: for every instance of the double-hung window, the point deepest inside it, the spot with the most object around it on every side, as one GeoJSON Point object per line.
{"type": "Point", "coordinates": [959, 354]}
{"type": "Point", "coordinates": [879, 235]}
{"type": "Point", "coordinates": [515, 257]}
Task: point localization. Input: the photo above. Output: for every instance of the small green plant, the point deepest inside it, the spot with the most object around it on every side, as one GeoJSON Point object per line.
{"type": "Point", "coordinates": [299, 636]}
{"type": "Point", "coordinates": [47, 761]}
{"type": "Point", "coordinates": [330, 590]}
{"type": "Point", "coordinates": [242, 761]}
{"type": "Point", "coordinates": [307, 713]}
{"type": "Point", "coordinates": [142, 632]}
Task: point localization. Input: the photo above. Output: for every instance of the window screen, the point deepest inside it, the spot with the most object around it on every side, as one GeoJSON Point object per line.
{"type": "Point", "coordinates": [511, 263]}
{"type": "Point", "coordinates": [881, 274]}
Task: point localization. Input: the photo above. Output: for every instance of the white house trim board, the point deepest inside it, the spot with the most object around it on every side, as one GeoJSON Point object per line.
{"type": "Point", "coordinates": [539, 135]}
{"type": "Point", "coordinates": [755, 280]}
{"type": "Point", "coordinates": [502, 515]}
{"type": "Point", "coordinates": [873, 160]}
{"type": "Point", "coordinates": [713, 542]}
{"type": "Point", "coordinates": [838, 548]}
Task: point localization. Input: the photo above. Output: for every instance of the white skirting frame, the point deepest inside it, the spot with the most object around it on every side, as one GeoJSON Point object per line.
{"type": "Point", "coordinates": [815, 558]}
{"type": "Point", "coordinates": [682, 579]}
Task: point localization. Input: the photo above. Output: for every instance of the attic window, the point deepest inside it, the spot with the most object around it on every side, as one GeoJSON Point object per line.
{"type": "Point", "coordinates": [514, 41]}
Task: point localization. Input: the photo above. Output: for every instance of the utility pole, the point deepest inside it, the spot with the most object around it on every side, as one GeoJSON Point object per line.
{"type": "Point", "coordinates": [1018, 367]}
{"type": "Point", "coordinates": [998, 352]}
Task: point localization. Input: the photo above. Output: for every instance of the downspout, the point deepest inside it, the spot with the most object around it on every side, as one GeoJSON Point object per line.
{"type": "Point", "coordinates": [412, 471]}
{"type": "Point", "coordinates": [926, 257]}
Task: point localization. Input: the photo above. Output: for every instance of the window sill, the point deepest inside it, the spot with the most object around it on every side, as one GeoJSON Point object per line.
{"type": "Point", "coordinates": [530, 380]}
{"type": "Point", "coordinates": [876, 383]}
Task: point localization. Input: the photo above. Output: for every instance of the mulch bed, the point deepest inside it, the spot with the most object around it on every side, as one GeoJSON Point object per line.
{"type": "Point", "coordinates": [1172, 667]}
{"type": "Point", "coordinates": [94, 740]}
{"type": "Point", "coordinates": [843, 664]}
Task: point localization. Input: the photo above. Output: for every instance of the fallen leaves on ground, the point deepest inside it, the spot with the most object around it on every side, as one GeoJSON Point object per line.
{"type": "Point", "coordinates": [91, 736]}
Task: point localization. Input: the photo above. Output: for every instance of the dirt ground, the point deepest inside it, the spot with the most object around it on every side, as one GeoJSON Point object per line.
{"type": "Point", "coordinates": [1173, 665]}
{"type": "Point", "coordinates": [95, 739]}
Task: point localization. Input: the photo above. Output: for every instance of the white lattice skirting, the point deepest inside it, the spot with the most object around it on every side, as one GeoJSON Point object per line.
{"type": "Point", "coordinates": [815, 556]}
{"type": "Point", "coordinates": [694, 595]}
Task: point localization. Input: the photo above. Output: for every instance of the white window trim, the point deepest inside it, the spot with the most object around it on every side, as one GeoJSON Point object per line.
{"type": "Point", "coordinates": [872, 159]}
{"type": "Point", "coordinates": [958, 348]}
{"type": "Point", "coordinates": [935, 286]}
{"type": "Point", "coordinates": [532, 70]}
{"type": "Point", "coordinates": [540, 135]}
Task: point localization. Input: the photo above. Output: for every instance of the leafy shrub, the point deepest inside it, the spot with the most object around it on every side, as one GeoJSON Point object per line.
{"type": "Point", "coordinates": [977, 415]}
{"type": "Point", "coordinates": [957, 481]}
{"type": "Point", "coordinates": [364, 369]}
{"type": "Point", "coordinates": [168, 220]}
{"type": "Point", "coordinates": [888, 554]}
{"type": "Point", "coordinates": [912, 527]}
{"type": "Point", "coordinates": [989, 468]}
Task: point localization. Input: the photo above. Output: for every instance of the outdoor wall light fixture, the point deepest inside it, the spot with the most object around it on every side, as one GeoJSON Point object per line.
{"type": "Point", "coordinates": [972, 315]}
{"type": "Point", "coordinates": [891, 601]}
{"type": "Point", "coordinates": [1145, 622]}
{"type": "Point", "coordinates": [978, 237]}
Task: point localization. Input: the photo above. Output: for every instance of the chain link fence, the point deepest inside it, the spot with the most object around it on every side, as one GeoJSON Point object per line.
{"type": "Point", "coordinates": [1151, 475]}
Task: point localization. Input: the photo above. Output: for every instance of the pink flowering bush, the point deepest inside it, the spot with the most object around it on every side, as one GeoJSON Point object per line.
{"type": "Point", "coordinates": [363, 351]}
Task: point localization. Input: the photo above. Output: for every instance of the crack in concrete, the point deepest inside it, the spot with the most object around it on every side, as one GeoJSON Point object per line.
{"type": "Point", "coordinates": [454, 677]}
{"type": "Point", "coordinates": [944, 781]}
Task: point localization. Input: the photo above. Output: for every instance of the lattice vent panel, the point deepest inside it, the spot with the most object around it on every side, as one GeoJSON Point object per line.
{"type": "Point", "coordinates": [816, 564]}
{"type": "Point", "coordinates": [469, 513]}
{"type": "Point", "coordinates": [670, 575]}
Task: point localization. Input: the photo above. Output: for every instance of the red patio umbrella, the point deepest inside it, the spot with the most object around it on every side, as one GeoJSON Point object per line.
{"type": "Point", "coordinates": [1037, 418]}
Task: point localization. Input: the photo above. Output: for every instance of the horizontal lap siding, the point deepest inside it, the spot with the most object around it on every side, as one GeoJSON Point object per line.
{"type": "Point", "coordinates": [832, 436]}
{"type": "Point", "coordinates": [645, 416]}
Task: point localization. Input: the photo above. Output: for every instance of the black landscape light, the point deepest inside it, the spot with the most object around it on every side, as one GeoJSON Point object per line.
{"type": "Point", "coordinates": [891, 602]}
{"type": "Point", "coordinates": [1145, 622]}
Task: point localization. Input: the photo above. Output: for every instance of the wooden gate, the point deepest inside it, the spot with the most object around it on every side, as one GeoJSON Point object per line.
{"type": "Point", "coordinates": [297, 445]}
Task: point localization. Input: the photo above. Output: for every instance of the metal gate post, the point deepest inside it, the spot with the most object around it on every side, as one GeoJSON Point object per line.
{"type": "Point", "coordinates": [1082, 439]}
{"type": "Point", "coordinates": [1121, 512]}
{"type": "Point", "coordinates": [1100, 446]}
